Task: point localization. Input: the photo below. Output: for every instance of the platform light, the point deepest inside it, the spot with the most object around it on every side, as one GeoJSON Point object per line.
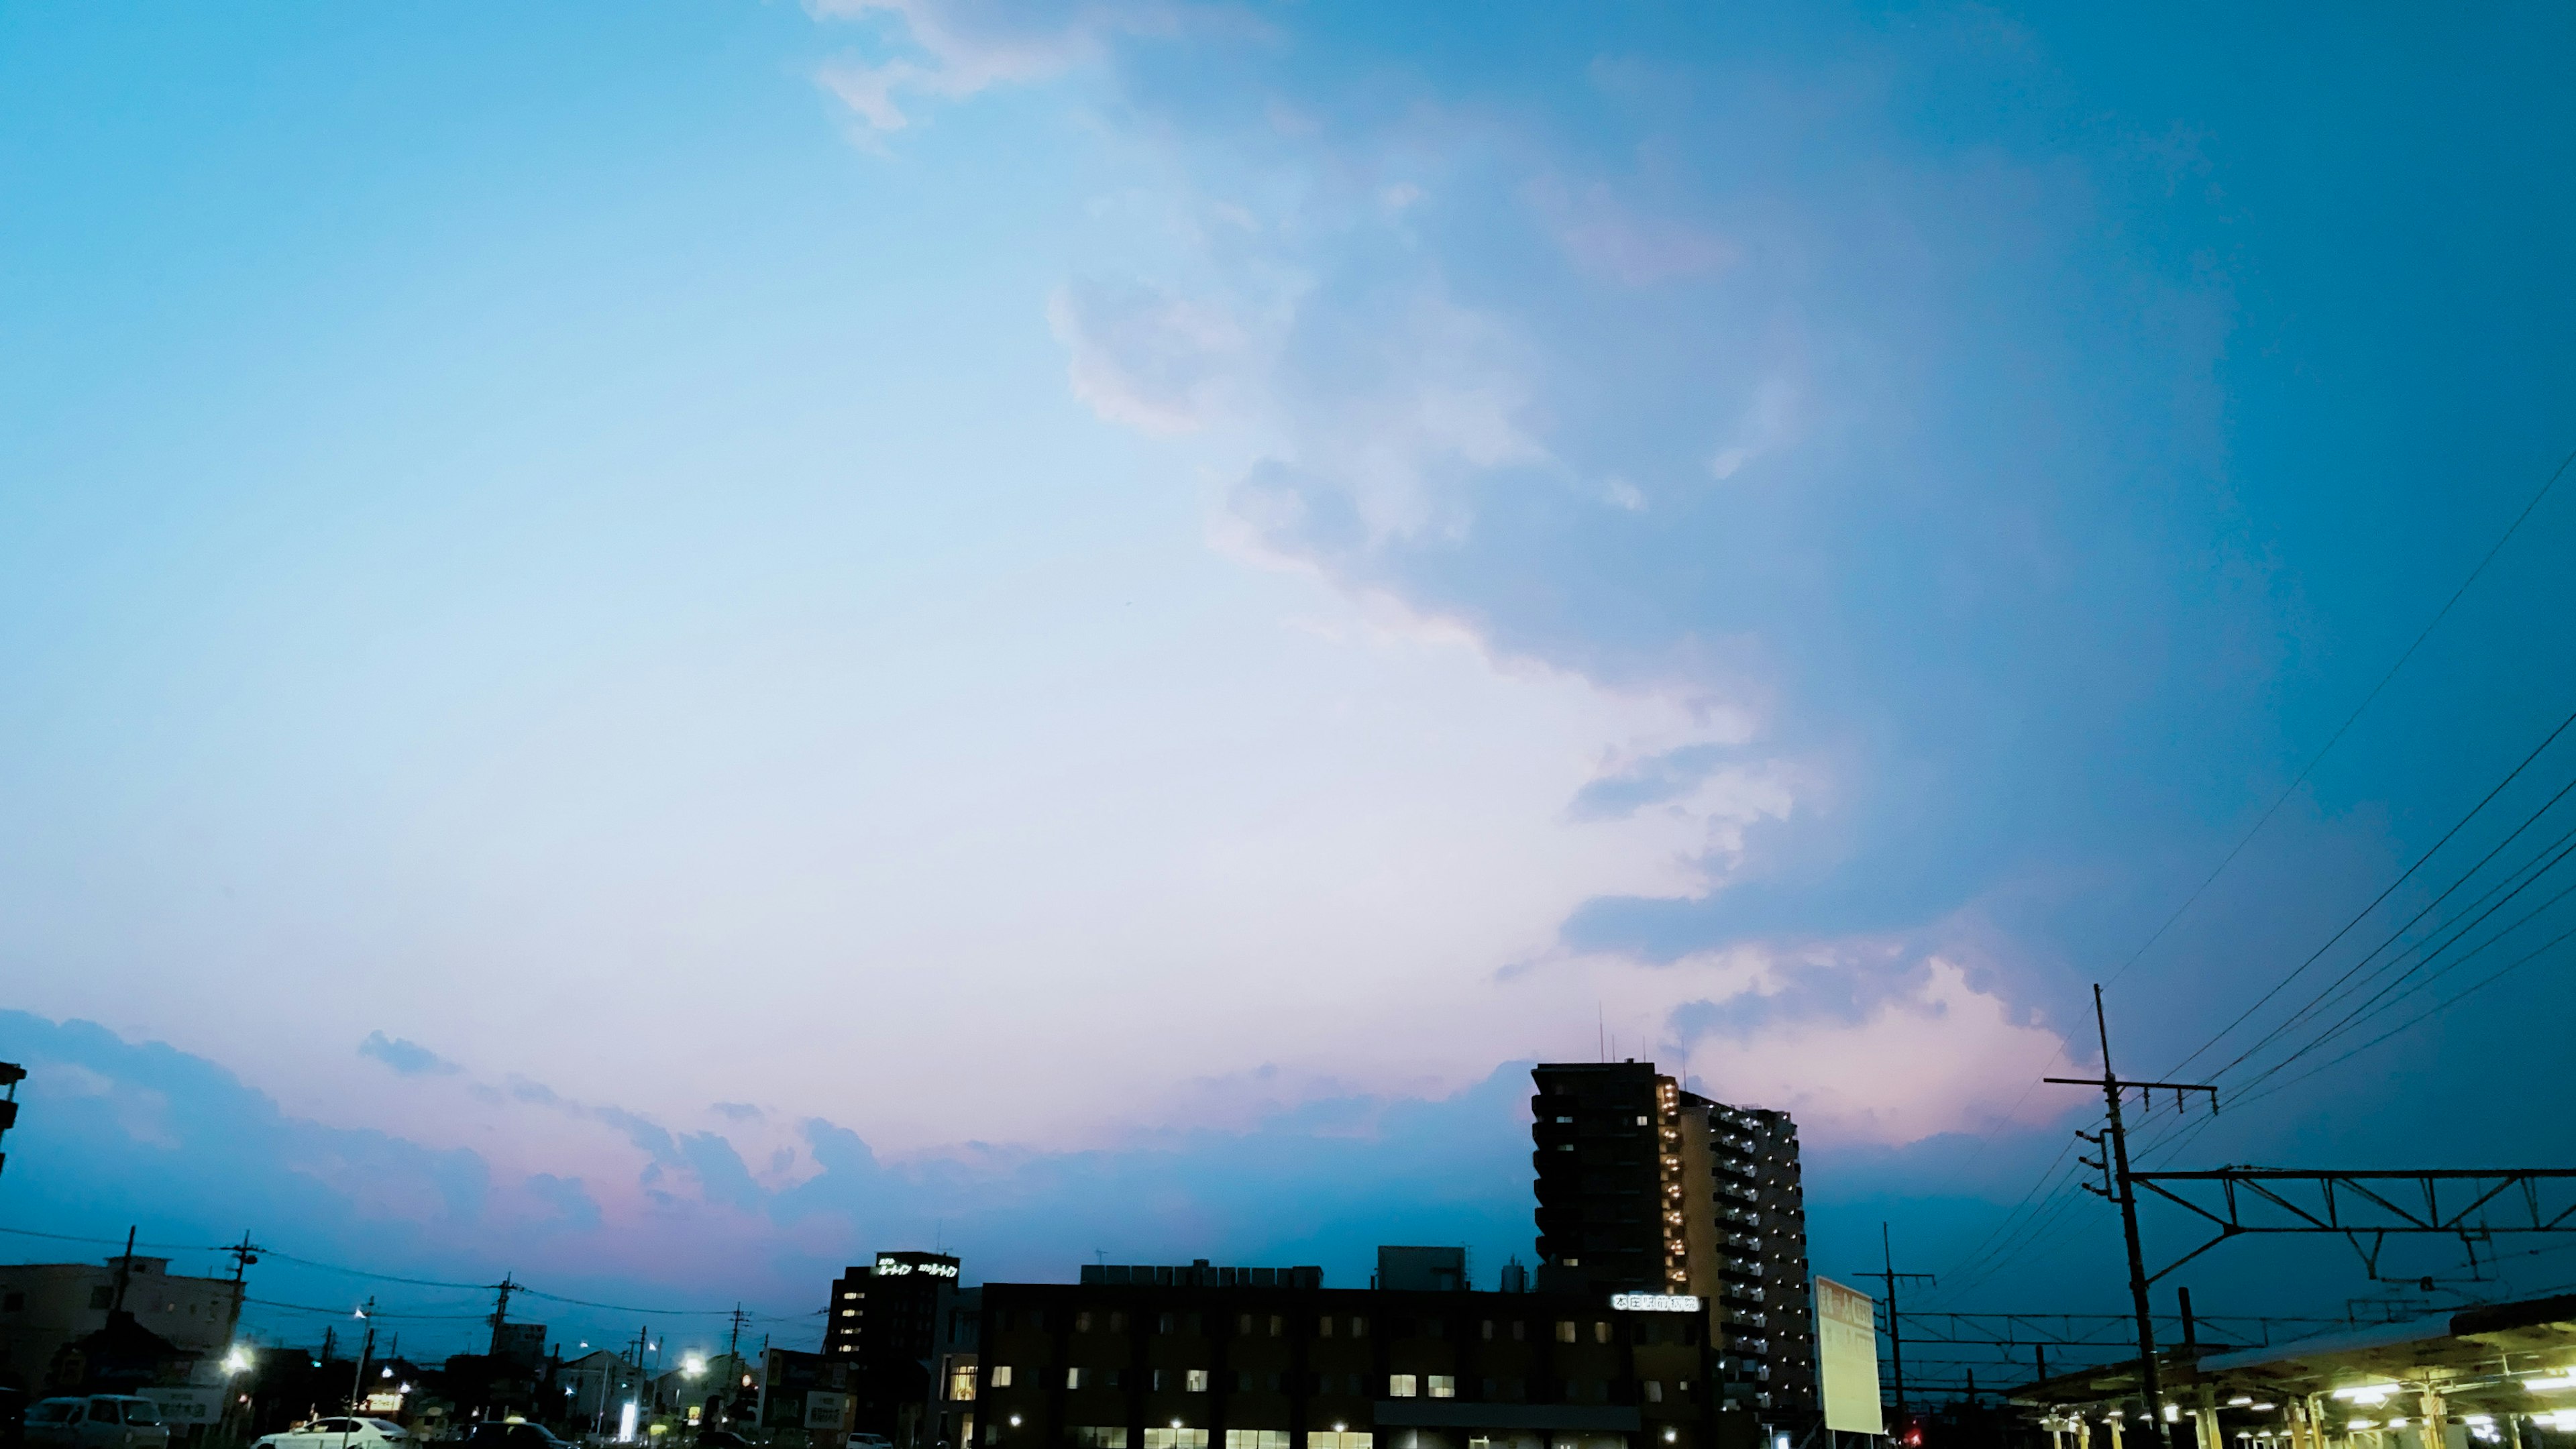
{"type": "Point", "coordinates": [2367, 1393]}
{"type": "Point", "coordinates": [2265, 1408]}
{"type": "Point", "coordinates": [2362, 1424]}
{"type": "Point", "coordinates": [2173, 1413]}
{"type": "Point", "coordinates": [2240, 1401]}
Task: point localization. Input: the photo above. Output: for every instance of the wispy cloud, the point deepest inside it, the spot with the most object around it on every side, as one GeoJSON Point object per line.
{"type": "Point", "coordinates": [409, 1058]}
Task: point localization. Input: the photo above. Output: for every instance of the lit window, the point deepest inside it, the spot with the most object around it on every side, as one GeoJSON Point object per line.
{"type": "Point", "coordinates": [961, 1385]}
{"type": "Point", "coordinates": [1278, 1326]}
{"type": "Point", "coordinates": [1001, 1376]}
{"type": "Point", "coordinates": [1600, 1333]}
{"type": "Point", "coordinates": [1400, 1386]}
{"type": "Point", "coordinates": [1195, 1382]}
{"type": "Point", "coordinates": [1565, 1330]}
{"type": "Point", "coordinates": [846, 1297]}
{"type": "Point", "coordinates": [1336, 1439]}
{"type": "Point", "coordinates": [1654, 1392]}
{"type": "Point", "coordinates": [1161, 1438]}
{"type": "Point", "coordinates": [849, 1313]}
{"type": "Point", "coordinates": [1107, 1436]}
{"type": "Point", "coordinates": [1256, 1439]}
{"type": "Point", "coordinates": [1359, 1328]}
{"type": "Point", "coordinates": [1073, 1378]}
{"type": "Point", "coordinates": [1444, 1386]}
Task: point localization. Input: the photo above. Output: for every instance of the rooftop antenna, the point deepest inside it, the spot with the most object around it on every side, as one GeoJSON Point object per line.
{"type": "Point", "coordinates": [1601, 1029]}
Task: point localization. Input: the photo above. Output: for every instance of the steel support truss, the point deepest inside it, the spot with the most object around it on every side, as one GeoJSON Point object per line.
{"type": "Point", "coordinates": [2471, 1205]}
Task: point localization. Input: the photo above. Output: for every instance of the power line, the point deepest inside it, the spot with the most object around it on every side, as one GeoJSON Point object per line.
{"type": "Point", "coordinates": [2391, 888]}
{"type": "Point", "coordinates": [2349, 720]}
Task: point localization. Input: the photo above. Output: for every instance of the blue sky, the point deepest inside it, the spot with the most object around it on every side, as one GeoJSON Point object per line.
{"type": "Point", "coordinates": [661, 646]}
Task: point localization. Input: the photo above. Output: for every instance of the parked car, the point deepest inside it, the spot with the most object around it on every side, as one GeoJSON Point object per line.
{"type": "Point", "coordinates": [344, 1432]}
{"type": "Point", "coordinates": [99, 1421]}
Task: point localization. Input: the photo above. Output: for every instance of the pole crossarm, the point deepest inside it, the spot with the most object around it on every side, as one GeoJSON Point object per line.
{"type": "Point", "coordinates": [2123, 1084]}
{"type": "Point", "coordinates": [2455, 1202]}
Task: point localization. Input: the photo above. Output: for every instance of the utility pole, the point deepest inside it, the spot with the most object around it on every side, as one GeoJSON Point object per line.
{"type": "Point", "coordinates": [2117, 1165]}
{"type": "Point", "coordinates": [501, 1310]}
{"type": "Point", "coordinates": [124, 1272]}
{"type": "Point", "coordinates": [244, 1253]}
{"type": "Point", "coordinates": [366, 1350]}
{"type": "Point", "coordinates": [1888, 1276]}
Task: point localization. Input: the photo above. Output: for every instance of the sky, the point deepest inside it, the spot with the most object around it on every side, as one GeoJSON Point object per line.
{"type": "Point", "coordinates": [659, 646]}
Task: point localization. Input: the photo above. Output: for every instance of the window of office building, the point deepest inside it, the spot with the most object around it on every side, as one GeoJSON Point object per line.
{"type": "Point", "coordinates": [1400, 1386]}
{"type": "Point", "coordinates": [1256, 1439]}
{"type": "Point", "coordinates": [1443, 1386]}
{"type": "Point", "coordinates": [1600, 1332]}
{"type": "Point", "coordinates": [1565, 1330]}
{"type": "Point", "coordinates": [1359, 1328]}
{"type": "Point", "coordinates": [1278, 1325]}
{"type": "Point", "coordinates": [1168, 1438]}
{"type": "Point", "coordinates": [1001, 1376]}
{"type": "Point", "coordinates": [1195, 1382]}
{"type": "Point", "coordinates": [1336, 1439]}
{"type": "Point", "coordinates": [961, 1385]}
{"type": "Point", "coordinates": [1101, 1436]}
{"type": "Point", "coordinates": [1073, 1378]}
{"type": "Point", "coordinates": [1654, 1392]}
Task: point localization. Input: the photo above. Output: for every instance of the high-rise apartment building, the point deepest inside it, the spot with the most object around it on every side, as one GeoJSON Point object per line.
{"type": "Point", "coordinates": [886, 1321]}
{"type": "Point", "coordinates": [1748, 1250]}
{"type": "Point", "coordinates": [1645, 1188]}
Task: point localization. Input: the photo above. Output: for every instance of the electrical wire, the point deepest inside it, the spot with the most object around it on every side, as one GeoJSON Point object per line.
{"type": "Point", "coordinates": [2391, 888]}
{"type": "Point", "coordinates": [2349, 720]}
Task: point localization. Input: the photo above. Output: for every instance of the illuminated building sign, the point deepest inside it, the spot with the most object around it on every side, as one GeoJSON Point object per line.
{"type": "Point", "coordinates": [897, 1267]}
{"type": "Point", "coordinates": [1655, 1302]}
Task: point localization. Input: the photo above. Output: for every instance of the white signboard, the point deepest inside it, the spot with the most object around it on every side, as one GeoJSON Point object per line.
{"type": "Point", "coordinates": [1847, 1358]}
{"type": "Point", "coordinates": [181, 1407]}
{"type": "Point", "coordinates": [1655, 1302]}
{"type": "Point", "coordinates": [825, 1410]}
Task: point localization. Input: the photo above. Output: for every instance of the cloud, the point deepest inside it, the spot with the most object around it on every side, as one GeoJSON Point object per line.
{"type": "Point", "coordinates": [954, 49]}
{"type": "Point", "coordinates": [1606, 236]}
{"type": "Point", "coordinates": [1891, 1050]}
{"type": "Point", "coordinates": [409, 1058]}
{"type": "Point", "coordinates": [1138, 357]}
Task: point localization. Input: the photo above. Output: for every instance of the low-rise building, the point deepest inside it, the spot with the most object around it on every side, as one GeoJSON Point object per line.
{"type": "Point", "coordinates": [1221, 1358]}
{"type": "Point", "coordinates": [44, 1306]}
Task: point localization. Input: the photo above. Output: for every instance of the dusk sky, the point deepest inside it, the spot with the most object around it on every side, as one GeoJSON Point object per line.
{"type": "Point", "coordinates": [658, 646]}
